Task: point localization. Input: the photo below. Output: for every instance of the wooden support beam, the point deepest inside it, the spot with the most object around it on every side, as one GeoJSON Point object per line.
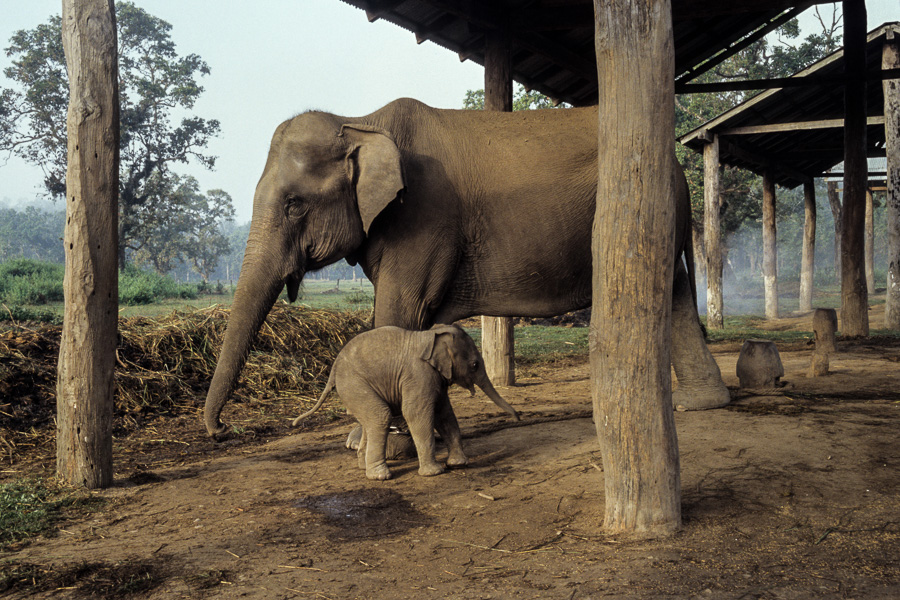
{"type": "Point", "coordinates": [854, 295]}
{"type": "Point", "coordinates": [870, 242]}
{"type": "Point", "coordinates": [808, 254]}
{"type": "Point", "coordinates": [890, 59]}
{"type": "Point", "coordinates": [712, 234]}
{"type": "Point", "coordinates": [488, 17]}
{"type": "Point", "coordinates": [797, 126]}
{"type": "Point", "coordinates": [778, 83]}
{"type": "Point", "coordinates": [762, 162]}
{"type": "Point", "coordinates": [697, 9]}
{"type": "Point", "coordinates": [497, 333]}
{"type": "Point", "coordinates": [770, 249]}
{"type": "Point", "coordinates": [742, 44]}
{"type": "Point", "coordinates": [633, 262]}
{"type": "Point", "coordinates": [834, 200]}
{"type": "Point", "coordinates": [84, 389]}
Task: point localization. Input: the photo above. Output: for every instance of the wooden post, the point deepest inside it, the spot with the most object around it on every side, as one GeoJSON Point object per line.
{"type": "Point", "coordinates": [870, 242]}
{"type": "Point", "coordinates": [712, 234]}
{"type": "Point", "coordinates": [824, 330]}
{"type": "Point", "coordinates": [633, 252]}
{"type": "Point", "coordinates": [497, 334]}
{"type": "Point", "coordinates": [890, 59]}
{"type": "Point", "coordinates": [770, 250]}
{"type": "Point", "coordinates": [854, 296]}
{"type": "Point", "coordinates": [808, 265]}
{"type": "Point", "coordinates": [87, 351]}
{"type": "Point", "coordinates": [834, 199]}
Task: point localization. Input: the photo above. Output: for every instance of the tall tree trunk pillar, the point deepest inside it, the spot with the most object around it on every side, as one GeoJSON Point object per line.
{"type": "Point", "coordinates": [854, 296]}
{"type": "Point", "coordinates": [891, 60]}
{"type": "Point", "coordinates": [808, 264]}
{"type": "Point", "coordinates": [497, 334]}
{"type": "Point", "coordinates": [633, 254]}
{"type": "Point", "coordinates": [870, 242]}
{"type": "Point", "coordinates": [87, 350]}
{"type": "Point", "coordinates": [834, 199]}
{"type": "Point", "coordinates": [712, 234]}
{"type": "Point", "coordinates": [770, 250]}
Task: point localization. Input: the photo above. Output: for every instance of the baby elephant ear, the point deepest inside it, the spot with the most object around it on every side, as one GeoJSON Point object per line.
{"type": "Point", "coordinates": [438, 352]}
{"type": "Point", "coordinates": [374, 161]}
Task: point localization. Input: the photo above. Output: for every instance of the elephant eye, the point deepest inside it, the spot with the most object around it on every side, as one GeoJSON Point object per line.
{"type": "Point", "coordinates": [474, 365]}
{"type": "Point", "coordinates": [295, 208]}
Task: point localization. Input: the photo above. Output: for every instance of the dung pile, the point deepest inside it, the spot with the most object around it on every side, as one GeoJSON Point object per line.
{"type": "Point", "coordinates": [165, 364]}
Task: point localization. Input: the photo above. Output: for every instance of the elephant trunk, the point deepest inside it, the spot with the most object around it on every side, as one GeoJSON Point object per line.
{"type": "Point", "coordinates": [256, 292]}
{"type": "Point", "coordinates": [488, 388]}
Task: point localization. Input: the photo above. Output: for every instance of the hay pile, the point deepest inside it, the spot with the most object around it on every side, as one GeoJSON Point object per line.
{"type": "Point", "coordinates": [165, 365]}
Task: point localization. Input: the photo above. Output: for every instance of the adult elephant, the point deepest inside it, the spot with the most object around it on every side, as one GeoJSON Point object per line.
{"type": "Point", "coordinates": [451, 213]}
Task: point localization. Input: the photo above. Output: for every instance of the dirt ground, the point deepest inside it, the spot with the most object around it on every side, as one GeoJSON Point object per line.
{"type": "Point", "coordinates": [787, 496]}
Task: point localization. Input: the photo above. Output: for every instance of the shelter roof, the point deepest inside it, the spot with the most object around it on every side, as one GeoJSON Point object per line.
{"type": "Point", "coordinates": [553, 40]}
{"type": "Point", "coordinates": [797, 132]}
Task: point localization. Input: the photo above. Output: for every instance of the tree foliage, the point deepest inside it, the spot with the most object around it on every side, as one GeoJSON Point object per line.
{"type": "Point", "coordinates": [31, 233]}
{"type": "Point", "coordinates": [522, 100]}
{"type": "Point", "coordinates": [156, 87]}
{"type": "Point", "coordinates": [179, 224]}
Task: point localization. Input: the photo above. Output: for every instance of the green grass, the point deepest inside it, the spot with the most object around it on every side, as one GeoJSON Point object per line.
{"type": "Point", "coordinates": [541, 343]}
{"type": "Point", "coordinates": [29, 507]}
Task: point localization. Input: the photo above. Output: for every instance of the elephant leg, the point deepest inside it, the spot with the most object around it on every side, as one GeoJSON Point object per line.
{"type": "Point", "coordinates": [360, 446]}
{"type": "Point", "coordinates": [420, 421]}
{"type": "Point", "coordinates": [448, 427]}
{"type": "Point", "coordinates": [700, 384]}
{"type": "Point", "coordinates": [354, 438]}
{"type": "Point", "coordinates": [375, 417]}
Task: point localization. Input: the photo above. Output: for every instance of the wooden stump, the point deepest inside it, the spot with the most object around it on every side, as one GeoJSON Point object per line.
{"type": "Point", "coordinates": [824, 328]}
{"type": "Point", "coordinates": [759, 365]}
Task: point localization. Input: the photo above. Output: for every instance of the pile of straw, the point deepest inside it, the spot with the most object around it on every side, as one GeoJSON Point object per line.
{"type": "Point", "coordinates": [165, 365]}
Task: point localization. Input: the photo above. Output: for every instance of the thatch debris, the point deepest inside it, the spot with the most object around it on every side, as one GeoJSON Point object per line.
{"type": "Point", "coordinates": [165, 365]}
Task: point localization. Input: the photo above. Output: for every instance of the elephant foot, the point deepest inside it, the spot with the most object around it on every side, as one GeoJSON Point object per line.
{"type": "Point", "coordinates": [378, 473]}
{"type": "Point", "coordinates": [685, 398]}
{"type": "Point", "coordinates": [352, 442]}
{"type": "Point", "coordinates": [431, 469]}
{"type": "Point", "coordinates": [457, 460]}
{"type": "Point", "coordinates": [399, 444]}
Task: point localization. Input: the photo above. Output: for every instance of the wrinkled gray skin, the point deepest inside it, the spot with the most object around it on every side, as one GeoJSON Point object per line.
{"type": "Point", "coordinates": [389, 371]}
{"type": "Point", "coordinates": [451, 213]}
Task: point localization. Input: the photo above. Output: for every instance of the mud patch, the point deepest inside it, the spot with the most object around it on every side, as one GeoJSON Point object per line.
{"type": "Point", "coordinates": [364, 513]}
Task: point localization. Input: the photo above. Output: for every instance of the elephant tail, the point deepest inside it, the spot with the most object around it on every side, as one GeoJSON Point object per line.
{"type": "Point", "coordinates": [328, 387]}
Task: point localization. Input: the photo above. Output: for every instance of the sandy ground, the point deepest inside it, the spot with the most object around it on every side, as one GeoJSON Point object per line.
{"type": "Point", "coordinates": [787, 496]}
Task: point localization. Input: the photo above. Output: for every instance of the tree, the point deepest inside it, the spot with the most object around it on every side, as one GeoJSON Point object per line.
{"type": "Point", "coordinates": [31, 233]}
{"type": "Point", "coordinates": [155, 84]}
{"type": "Point", "coordinates": [522, 100]}
{"type": "Point", "coordinates": [179, 224]}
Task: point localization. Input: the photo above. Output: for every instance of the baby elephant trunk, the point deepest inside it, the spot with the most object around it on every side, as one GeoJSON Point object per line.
{"type": "Point", "coordinates": [488, 388]}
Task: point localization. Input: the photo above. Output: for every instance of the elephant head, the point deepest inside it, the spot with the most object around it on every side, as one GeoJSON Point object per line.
{"type": "Point", "coordinates": [323, 185]}
{"type": "Point", "coordinates": [451, 351]}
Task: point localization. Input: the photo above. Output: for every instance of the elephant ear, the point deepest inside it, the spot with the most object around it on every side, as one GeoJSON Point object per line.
{"type": "Point", "coordinates": [439, 351]}
{"type": "Point", "coordinates": [376, 171]}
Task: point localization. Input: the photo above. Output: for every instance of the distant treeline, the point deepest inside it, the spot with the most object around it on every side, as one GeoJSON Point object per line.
{"type": "Point", "coordinates": [36, 233]}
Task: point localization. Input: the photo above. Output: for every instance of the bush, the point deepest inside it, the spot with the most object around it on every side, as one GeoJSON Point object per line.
{"type": "Point", "coordinates": [30, 282]}
{"type": "Point", "coordinates": [360, 299]}
{"type": "Point", "coordinates": [22, 313]}
{"type": "Point", "coordinates": [144, 287]}
{"type": "Point", "coordinates": [27, 281]}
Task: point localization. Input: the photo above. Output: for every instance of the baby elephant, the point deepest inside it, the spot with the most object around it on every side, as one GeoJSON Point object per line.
{"type": "Point", "coordinates": [390, 371]}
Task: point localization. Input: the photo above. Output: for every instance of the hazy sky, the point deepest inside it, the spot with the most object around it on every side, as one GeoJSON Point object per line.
{"type": "Point", "coordinates": [272, 59]}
